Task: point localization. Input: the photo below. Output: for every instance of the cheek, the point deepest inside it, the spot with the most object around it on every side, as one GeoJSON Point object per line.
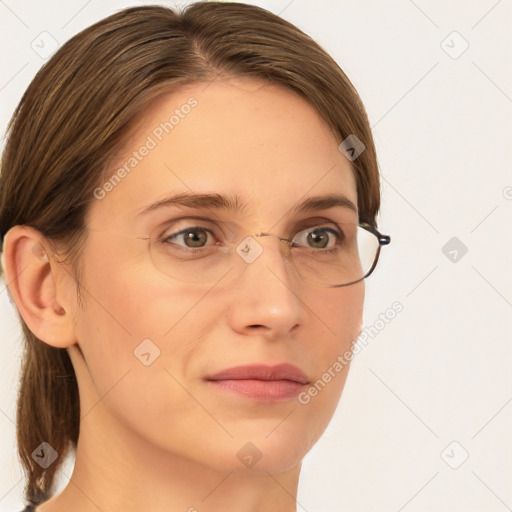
{"type": "Point", "coordinates": [139, 341]}
{"type": "Point", "coordinates": [131, 316]}
{"type": "Point", "coordinates": [338, 314]}
{"type": "Point", "coordinates": [340, 318]}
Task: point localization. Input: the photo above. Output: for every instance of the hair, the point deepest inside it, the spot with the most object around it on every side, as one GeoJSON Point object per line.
{"type": "Point", "coordinates": [76, 114]}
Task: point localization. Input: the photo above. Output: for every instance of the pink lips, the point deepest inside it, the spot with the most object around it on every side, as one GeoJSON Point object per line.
{"type": "Point", "coordinates": [261, 382]}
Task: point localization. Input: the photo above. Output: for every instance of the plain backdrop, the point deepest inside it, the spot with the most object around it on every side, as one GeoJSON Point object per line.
{"type": "Point", "coordinates": [425, 419]}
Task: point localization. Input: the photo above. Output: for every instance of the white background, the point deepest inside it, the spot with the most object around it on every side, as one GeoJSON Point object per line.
{"type": "Point", "coordinates": [440, 371]}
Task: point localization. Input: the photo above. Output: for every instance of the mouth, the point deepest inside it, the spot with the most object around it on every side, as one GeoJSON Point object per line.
{"type": "Point", "coordinates": [261, 382]}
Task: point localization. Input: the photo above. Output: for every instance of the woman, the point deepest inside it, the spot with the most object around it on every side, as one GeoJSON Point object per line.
{"type": "Point", "coordinates": [188, 206]}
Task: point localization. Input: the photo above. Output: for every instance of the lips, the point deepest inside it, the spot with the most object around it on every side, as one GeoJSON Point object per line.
{"type": "Point", "coordinates": [260, 382]}
{"type": "Point", "coordinates": [262, 372]}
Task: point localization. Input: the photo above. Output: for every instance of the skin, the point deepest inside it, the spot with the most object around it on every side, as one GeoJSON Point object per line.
{"type": "Point", "coordinates": [159, 437]}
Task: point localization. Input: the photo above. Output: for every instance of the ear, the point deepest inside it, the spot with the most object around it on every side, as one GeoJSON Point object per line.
{"type": "Point", "coordinates": [38, 285]}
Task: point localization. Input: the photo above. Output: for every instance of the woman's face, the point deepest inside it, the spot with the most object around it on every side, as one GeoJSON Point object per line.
{"type": "Point", "coordinates": [150, 339]}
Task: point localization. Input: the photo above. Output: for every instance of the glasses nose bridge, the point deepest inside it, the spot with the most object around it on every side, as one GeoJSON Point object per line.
{"type": "Point", "coordinates": [282, 242]}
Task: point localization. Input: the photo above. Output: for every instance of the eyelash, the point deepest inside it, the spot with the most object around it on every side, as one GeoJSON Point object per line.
{"type": "Point", "coordinates": [165, 238]}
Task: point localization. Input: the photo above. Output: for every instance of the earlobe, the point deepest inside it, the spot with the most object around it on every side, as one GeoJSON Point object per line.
{"type": "Point", "coordinates": [31, 277]}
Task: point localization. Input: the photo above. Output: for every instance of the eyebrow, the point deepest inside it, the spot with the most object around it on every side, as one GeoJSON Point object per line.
{"type": "Point", "coordinates": [234, 204]}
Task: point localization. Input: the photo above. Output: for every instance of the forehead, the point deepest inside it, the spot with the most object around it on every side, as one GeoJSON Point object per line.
{"type": "Point", "coordinates": [240, 137]}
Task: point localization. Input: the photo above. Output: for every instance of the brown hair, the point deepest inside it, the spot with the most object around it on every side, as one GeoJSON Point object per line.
{"type": "Point", "coordinates": [74, 117]}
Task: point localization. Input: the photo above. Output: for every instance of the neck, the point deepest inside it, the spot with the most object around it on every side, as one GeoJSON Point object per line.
{"type": "Point", "coordinates": [117, 469]}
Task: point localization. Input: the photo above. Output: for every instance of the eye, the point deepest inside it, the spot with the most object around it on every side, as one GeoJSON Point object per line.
{"type": "Point", "coordinates": [317, 238]}
{"type": "Point", "coordinates": [191, 237]}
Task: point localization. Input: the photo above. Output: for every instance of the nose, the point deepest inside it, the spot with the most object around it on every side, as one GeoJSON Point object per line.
{"type": "Point", "coordinates": [267, 292]}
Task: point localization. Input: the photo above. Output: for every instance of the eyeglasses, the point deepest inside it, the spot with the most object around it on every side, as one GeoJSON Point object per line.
{"type": "Point", "coordinates": [326, 254]}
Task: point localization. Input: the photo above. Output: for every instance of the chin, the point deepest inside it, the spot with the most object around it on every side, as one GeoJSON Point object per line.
{"type": "Point", "coordinates": [259, 454]}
